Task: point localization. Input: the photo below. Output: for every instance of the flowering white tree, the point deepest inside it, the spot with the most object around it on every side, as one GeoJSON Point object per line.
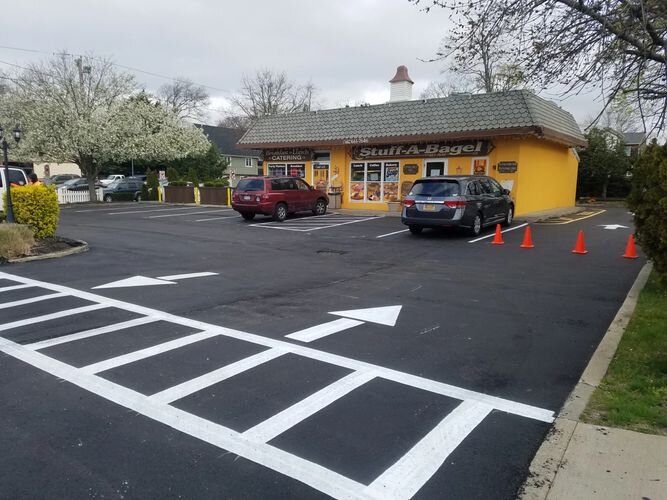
{"type": "Point", "coordinates": [84, 111]}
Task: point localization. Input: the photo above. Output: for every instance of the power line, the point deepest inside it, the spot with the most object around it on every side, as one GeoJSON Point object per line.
{"type": "Point", "coordinates": [128, 68]}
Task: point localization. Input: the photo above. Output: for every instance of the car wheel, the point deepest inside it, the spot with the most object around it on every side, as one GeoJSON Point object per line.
{"type": "Point", "coordinates": [137, 197]}
{"type": "Point", "coordinates": [320, 207]}
{"type": "Point", "coordinates": [509, 217]}
{"type": "Point", "coordinates": [108, 198]}
{"type": "Point", "coordinates": [476, 227]}
{"type": "Point", "coordinates": [248, 215]}
{"type": "Point", "coordinates": [415, 229]}
{"type": "Point", "coordinates": [280, 212]}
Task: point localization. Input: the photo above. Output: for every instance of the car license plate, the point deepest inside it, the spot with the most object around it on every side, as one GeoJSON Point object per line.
{"type": "Point", "coordinates": [429, 208]}
{"type": "Point", "coordinates": [246, 197]}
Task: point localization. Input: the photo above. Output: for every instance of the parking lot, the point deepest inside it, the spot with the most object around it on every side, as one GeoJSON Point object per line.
{"type": "Point", "coordinates": [190, 354]}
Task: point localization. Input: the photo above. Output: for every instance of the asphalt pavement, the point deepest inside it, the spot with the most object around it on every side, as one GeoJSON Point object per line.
{"type": "Point", "coordinates": [190, 354]}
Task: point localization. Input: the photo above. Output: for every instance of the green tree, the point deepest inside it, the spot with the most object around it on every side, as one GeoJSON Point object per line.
{"type": "Point", "coordinates": [602, 162]}
{"type": "Point", "coordinates": [210, 165]}
{"type": "Point", "coordinates": [172, 174]}
{"type": "Point", "coordinates": [648, 201]}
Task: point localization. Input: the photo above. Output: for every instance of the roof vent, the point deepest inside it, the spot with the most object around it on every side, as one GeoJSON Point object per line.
{"type": "Point", "coordinates": [401, 85]}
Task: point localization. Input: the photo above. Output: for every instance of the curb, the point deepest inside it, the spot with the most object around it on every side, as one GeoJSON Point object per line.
{"type": "Point", "coordinates": [83, 247]}
{"type": "Point", "coordinates": [549, 457]}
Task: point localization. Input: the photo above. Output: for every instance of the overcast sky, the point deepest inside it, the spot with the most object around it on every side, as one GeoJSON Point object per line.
{"type": "Point", "coordinates": [348, 48]}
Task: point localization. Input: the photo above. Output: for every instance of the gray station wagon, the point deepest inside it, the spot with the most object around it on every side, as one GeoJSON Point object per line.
{"type": "Point", "coordinates": [470, 202]}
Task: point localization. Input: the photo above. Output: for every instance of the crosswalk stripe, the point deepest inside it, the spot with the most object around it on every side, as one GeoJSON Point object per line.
{"type": "Point", "coordinates": [48, 317]}
{"type": "Point", "coordinates": [31, 300]}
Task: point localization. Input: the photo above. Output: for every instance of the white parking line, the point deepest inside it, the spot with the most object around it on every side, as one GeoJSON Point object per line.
{"type": "Point", "coordinates": [390, 234]}
{"type": "Point", "coordinates": [14, 287]}
{"type": "Point", "coordinates": [404, 478]}
{"type": "Point", "coordinates": [90, 333]}
{"type": "Point", "coordinates": [492, 234]}
{"type": "Point", "coordinates": [185, 214]}
{"type": "Point", "coordinates": [197, 384]}
{"type": "Point", "coordinates": [319, 331]}
{"type": "Point", "coordinates": [48, 317]}
{"type": "Point", "coordinates": [279, 423]}
{"type": "Point", "coordinates": [16, 303]}
{"type": "Point", "coordinates": [172, 209]}
{"type": "Point", "coordinates": [302, 225]}
{"type": "Point", "coordinates": [131, 357]}
{"type": "Point", "coordinates": [217, 218]}
{"type": "Point", "coordinates": [176, 277]}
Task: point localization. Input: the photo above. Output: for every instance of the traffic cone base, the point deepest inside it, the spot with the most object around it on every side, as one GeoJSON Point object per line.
{"type": "Point", "coordinates": [630, 250]}
{"type": "Point", "coordinates": [498, 237]}
{"type": "Point", "coordinates": [580, 247]}
{"type": "Point", "coordinates": [527, 239]}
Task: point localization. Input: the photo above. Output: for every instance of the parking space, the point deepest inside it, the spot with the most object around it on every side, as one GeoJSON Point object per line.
{"type": "Point", "coordinates": [297, 363]}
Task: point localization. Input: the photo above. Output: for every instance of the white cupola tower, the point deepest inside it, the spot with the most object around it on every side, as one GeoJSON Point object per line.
{"type": "Point", "coordinates": [401, 85]}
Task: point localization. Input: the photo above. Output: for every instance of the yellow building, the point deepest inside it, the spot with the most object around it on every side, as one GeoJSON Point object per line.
{"type": "Point", "coordinates": [368, 156]}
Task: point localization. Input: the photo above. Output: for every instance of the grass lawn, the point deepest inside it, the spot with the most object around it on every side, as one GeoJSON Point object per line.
{"type": "Point", "coordinates": [633, 393]}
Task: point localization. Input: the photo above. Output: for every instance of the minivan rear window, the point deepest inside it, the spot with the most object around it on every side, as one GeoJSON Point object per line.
{"type": "Point", "coordinates": [439, 188]}
{"type": "Point", "coordinates": [250, 185]}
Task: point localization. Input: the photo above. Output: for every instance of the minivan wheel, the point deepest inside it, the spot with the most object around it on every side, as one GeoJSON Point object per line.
{"type": "Point", "coordinates": [108, 198]}
{"type": "Point", "coordinates": [248, 215]}
{"type": "Point", "coordinates": [415, 229]}
{"type": "Point", "coordinates": [509, 217]}
{"type": "Point", "coordinates": [280, 212]}
{"type": "Point", "coordinates": [320, 207]}
{"type": "Point", "coordinates": [137, 197]}
{"type": "Point", "coordinates": [476, 227]}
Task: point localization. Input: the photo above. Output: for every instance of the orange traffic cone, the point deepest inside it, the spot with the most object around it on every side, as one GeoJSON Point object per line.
{"type": "Point", "coordinates": [498, 237]}
{"type": "Point", "coordinates": [580, 247]}
{"type": "Point", "coordinates": [630, 250]}
{"type": "Point", "coordinates": [527, 239]}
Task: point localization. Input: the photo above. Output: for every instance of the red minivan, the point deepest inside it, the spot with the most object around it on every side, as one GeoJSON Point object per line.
{"type": "Point", "coordinates": [277, 196]}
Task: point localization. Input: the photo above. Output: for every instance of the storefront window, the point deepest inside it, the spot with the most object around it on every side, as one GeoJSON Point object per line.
{"type": "Point", "coordinates": [276, 170]}
{"type": "Point", "coordinates": [374, 181]}
{"type": "Point", "coordinates": [296, 170]}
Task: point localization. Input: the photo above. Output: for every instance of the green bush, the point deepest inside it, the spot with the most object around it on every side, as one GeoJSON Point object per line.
{"type": "Point", "coordinates": [15, 240]}
{"type": "Point", "coordinates": [178, 183]}
{"type": "Point", "coordinates": [648, 201]}
{"type": "Point", "coordinates": [37, 207]}
{"type": "Point", "coordinates": [216, 183]}
{"type": "Point", "coordinates": [149, 191]}
{"type": "Point", "coordinates": [172, 175]}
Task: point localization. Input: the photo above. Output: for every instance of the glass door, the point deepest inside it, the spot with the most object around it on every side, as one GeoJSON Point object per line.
{"type": "Point", "coordinates": [436, 167]}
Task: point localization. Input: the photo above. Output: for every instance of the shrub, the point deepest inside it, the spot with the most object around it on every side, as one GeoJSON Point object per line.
{"type": "Point", "coordinates": [648, 201]}
{"type": "Point", "coordinates": [216, 183]}
{"type": "Point", "coordinates": [172, 175]}
{"type": "Point", "coordinates": [178, 183]}
{"type": "Point", "coordinates": [15, 240]}
{"type": "Point", "coordinates": [37, 207]}
{"type": "Point", "coordinates": [149, 191]}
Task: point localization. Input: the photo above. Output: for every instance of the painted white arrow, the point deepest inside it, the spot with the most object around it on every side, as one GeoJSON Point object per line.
{"type": "Point", "coordinates": [146, 281]}
{"type": "Point", "coordinates": [613, 226]}
{"type": "Point", "coordinates": [382, 315]}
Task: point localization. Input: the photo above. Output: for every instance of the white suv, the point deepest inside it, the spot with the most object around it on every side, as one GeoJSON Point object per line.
{"type": "Point", "coordinates": [16, 176]}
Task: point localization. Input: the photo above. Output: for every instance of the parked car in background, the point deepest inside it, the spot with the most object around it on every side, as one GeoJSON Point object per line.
{"type": "Point", "coordinates": [17, 177]}
{"type": "Point", "coordinates": [123, 190]}
{"type": "Point", "coordinates": [109, 179]}
{"type": "Point", "coordinates": [470, 202]}
{"type": "Point", "coordinates": [59, 180]}
{"type": "Point", "coordinates": [141, 178]}
{"type": "Point", "coordinates": [80, 184]}
{"type": "Point", "coordinates": [278, 197]}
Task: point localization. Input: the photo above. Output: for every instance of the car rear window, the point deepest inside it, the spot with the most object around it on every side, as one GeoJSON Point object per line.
{"type": "Point", "coordinates": [441, 188]}
{"type": "Point", "coordinates": [250, 185]}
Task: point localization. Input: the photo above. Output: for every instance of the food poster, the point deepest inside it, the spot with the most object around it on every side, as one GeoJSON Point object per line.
{"type": "Point", "coordinates": [391, 175]}
{"type": "Point", "coordinates": [357, 181]}
{"type": "Point", "coordinates": [321, 176]}
{"type": "Point", "coordinates": [374, 184]}
{"type": "Point", "coordinates": [296, 170]}
{"type": "Point", "coordinates": [479, 167]}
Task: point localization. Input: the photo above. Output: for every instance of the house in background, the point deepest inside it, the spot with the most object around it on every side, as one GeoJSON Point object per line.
{"type": "Point", "coordinates": [634, 143]}
{"type": "Point", "coordinates": [242, 162]}
{"type": "Point", "coordinates": [44, 170]}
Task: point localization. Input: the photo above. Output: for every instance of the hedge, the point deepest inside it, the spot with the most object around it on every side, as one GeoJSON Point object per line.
{"type": "Point", "coordinates": [37, 207]}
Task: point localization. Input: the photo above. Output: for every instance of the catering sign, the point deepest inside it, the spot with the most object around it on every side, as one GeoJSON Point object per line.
{"type": "Point", "coordinates": [432, 149]}
{"type": "Point", "coordinates": [292, 154]}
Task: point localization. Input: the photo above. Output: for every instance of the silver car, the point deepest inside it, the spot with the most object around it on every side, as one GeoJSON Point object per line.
{"type": "Point", "coordinates": [470, 202]}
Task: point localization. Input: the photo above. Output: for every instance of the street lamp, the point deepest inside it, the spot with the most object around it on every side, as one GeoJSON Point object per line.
{"type": "Point", "coordinates": [16, 133]}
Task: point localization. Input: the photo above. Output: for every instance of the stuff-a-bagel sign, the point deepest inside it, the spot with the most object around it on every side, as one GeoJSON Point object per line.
{"type": "Point", "coordinates": [428, 149]}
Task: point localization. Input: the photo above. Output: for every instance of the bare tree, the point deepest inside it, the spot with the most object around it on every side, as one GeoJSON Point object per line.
{"type": "Point", "coordinates": [452, 85]}
{"type": "Point", "coordinates": [268, 93]}
{"type": "Point", "coordinates": [187, 99]}
{"type": "Point", "coordinates": [618, 47]}
{"type": "Point", "coordinates": [235, 121]}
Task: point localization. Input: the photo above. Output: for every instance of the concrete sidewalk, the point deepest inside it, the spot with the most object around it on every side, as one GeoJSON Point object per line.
{"type": "Point", "coordinates": [583, 461]}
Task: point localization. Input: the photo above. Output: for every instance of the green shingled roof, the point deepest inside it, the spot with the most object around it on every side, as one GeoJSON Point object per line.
{"type": "Point", "coordinates": [478, 114]}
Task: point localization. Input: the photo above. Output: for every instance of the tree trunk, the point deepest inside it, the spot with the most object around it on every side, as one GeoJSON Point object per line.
{"type": "Point", "coordinates": [89, 169]}
{"type": "Point", "coordinates": [604, 188]}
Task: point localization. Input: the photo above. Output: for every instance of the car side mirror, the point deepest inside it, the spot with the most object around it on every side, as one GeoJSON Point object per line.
{"type": "Point", "coordinates": [506, 191]}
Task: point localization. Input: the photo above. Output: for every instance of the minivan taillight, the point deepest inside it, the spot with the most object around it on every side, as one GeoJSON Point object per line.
{"type": "Point", "coordinates": [455, 204]}
{"type": "Point", "coordinates": [408, 203]}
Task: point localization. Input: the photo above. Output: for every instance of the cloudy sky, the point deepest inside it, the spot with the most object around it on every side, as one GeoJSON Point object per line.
{"type": "Point", "coordinates": [348, 48]}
